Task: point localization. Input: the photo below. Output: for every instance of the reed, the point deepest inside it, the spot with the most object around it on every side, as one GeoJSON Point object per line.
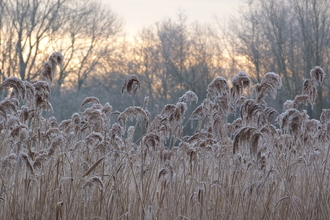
{"type": "Point", "coordinates": [263, 165]}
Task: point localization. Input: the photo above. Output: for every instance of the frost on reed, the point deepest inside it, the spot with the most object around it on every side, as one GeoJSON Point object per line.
{"type": "Point", "coordinates": [17, 85]}
{"type": "Point", "coordinates": [49, 67]}
{"type": "Point", "coordinates": [263, 165]}
{"type": "Point", "coordinates": [269, 83]}
{"type": "Point", "coordinates": [131, 86]}
{"type": "Point", "coordinates": [189, 96]}
{"type": "Point", "coordinates": [240, 82]}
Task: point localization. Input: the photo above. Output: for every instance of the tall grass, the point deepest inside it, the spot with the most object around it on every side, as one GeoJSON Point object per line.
{"type": "Point", "coordinates": [263, 165]}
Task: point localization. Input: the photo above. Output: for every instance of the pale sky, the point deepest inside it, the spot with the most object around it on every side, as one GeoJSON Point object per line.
{"type": "Point", "coordinates": [137, 14]}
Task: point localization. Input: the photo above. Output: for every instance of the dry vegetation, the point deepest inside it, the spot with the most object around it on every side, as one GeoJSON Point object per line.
{"type": "Point", "coordinates": [263, 165]}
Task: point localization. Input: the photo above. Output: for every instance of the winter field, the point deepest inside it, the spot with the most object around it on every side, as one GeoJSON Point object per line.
{"type": "Point", "coordinates": [263, 165]}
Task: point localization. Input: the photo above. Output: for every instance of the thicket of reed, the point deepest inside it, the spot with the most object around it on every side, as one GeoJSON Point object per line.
{"type": "Point", "coordinates": [263, 165]}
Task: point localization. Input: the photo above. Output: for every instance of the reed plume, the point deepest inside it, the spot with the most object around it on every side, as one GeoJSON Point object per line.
{"type": "Point", "coordinates": [247, 137]}
{"type": "Point", "coordinates": [25, 114]}
{"type": "Point", "coordinates": [199, 136]}
{"type": "Point", "coordinates": [131, 113]}
{"type": "Point", "coordinates": [20, 133]}
{"type": "Point", "coordinates": [42, 91]}
{"type": "Point", "coordinates": [270, 114]}
{"type": "Point", "coordinates": [93, 119]}
{"type": "Point", "coordinates": [40, 160]}
{"type": "Point", "coordinates": [49, 67]}
{"type": "Point", "coordinates": [90, 99]}
{"type": "Point", "coordinates": [52, 122]}
{"type": "Point", "coordinates": [317, 75]}
{"type": "Point", "coordinates": [66, 126]}
{"type": "Point", "coordinates": [250, 112]}
{"type": "Point", "coordinates": [107, 109]}
{"type": "Point", "coordinates": [292, 121]}
{"type": "Point", "coordinates": [271, 82]}
{"type": "Point", "coordinates": [93, 182]}
{"type": "Point", "coordinates": [189, 96]}
{"type": "Point", "coordinates": [55, 144]}
{"type": "Point", "coordinates": [94, 138]}
{"type": "Point", "coordinates": [9, 105]}
{"type": "Point", "coordinates": [300, 99]}
{"type": "Point", "coordinates": [218, 87]}
{"type": "Point", "coordinates": [15, 83]}
{"type": "Point", "coordinates": [324, 117]}
{"type": "Point", "coordinates": [151, 141]}
{"type": "Point", "coordinates": [131, 86]}
{"type": "Point", "coordinates": [76, 123]}
{"type": "Point", "coordinates": [240, 82]}
{"type": "Point", "coordinates": [228, 166]}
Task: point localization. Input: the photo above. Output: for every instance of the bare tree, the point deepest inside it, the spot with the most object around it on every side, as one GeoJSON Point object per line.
{"type": "Point", "coordinates": [314, 25]}
{"type": "Point", "coordinates": [205, 59]}
{"type": "Point", "coordinates": [173, 56]}
{"type": "Point", "coordinates": [148, 61]}
{"type": "Point", "coordinates": [84, 31]}
{"type": "Point", "coordinates": [88, 36]}
{"type": "Point", "coordinates": [28, 26]}
{"type": "Point", "coordinates": [174, 48]}
{"type": "Point", "coordinates": [287, 37]}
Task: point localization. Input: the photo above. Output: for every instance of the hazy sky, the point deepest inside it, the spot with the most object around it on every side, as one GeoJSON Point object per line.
{"type": "Point", "coordinates": [142, 13]}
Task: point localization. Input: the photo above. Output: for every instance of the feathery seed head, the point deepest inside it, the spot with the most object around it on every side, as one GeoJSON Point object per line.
{"type": "Point", "coordinates": [20, 133]}
{"type": "Point", "coordinates": [240, 82]}
{"type": "Point", "coordinates": [309, 89]}
{"type": "Point", "coordinates": [66, 126]}
{"type": "Point", "coordinates": [218, 87]}
{"type": "Point", "coordinates": [151, 141]}
{"type": "Point", "coordinates": [269, 114]}
{"type": "Point", "coordinates": [47, 72]}
{"type": "Point", "coordinates": [288, 104]}
{"type": "Point", "coordinates": [93, 182]}
{"type": "Point", "coordinates": [52, 122]}
{"type": "Point", "coordinates": [131, 86]}
{"type": "Point", "coordinates": [189, 96]}
{"type": "Point", "coordinates": [15, 83]}
{"type": "Point", "coordinates": [76, 122]}
{"type": "Point", "coordinates": [56, 58]}
{"type": "Point", "coordinates": [271, 82]}
{"type": "Point", "coordinates": [145, 103]}
{"type": "Point", "coordinates": [131, 112]}
{"type": "Point", "coordinates": [300, 99]}
{"type": "Point", "coordinates": [324, 117]}
{"type": "Point", "coordinates": [317, 75]}
{"type": "Point", "coordinates": [8, 106]}
{"type": "Point", "coordinates": [56, 143]}
{"type": "Point", "coordinates": [292, 121]}
{"type": "Point", "coordinates": [168, 110]}
{"type": "Point", "coordinates": [107, 109]}
{"type": "Point", "coordinates": [25, 114]}
{"type": "Point", "coordinates": [130, 133]}
{"type": "Point", "coordinates": [94, 138]}
{"type": "Point", "coordinates": [42, 90]}
{"type": "Point", "coordinates": [116, 131]}
{"type": "Point", "coordinates": [75, 119]}
{"type": "Point", "coordinates": [40, 159]}
{"type": "Point", "coordinates": [30, 95]}
{"type": "Point", "coordinates": [248, 137]}
{"type": "Point", "coordinates": [49, 67]}
{"type": "Point", "coordinates": [88, 100]}
{"type": "Point", "coordinates": [43, 105]}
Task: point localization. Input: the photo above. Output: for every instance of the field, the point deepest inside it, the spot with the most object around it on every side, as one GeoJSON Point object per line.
{"type": "Point", "coordinates": [263, 165]}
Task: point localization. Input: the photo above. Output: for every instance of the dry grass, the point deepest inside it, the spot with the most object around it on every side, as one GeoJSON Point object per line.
{"type": "Point", "coordinates": [89, 167]}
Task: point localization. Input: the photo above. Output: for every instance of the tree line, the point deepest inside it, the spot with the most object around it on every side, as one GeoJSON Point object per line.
{"type": "Point", "coordinates": [169, 57]}
{"type": "Point", "coordinates": [289, 37]}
